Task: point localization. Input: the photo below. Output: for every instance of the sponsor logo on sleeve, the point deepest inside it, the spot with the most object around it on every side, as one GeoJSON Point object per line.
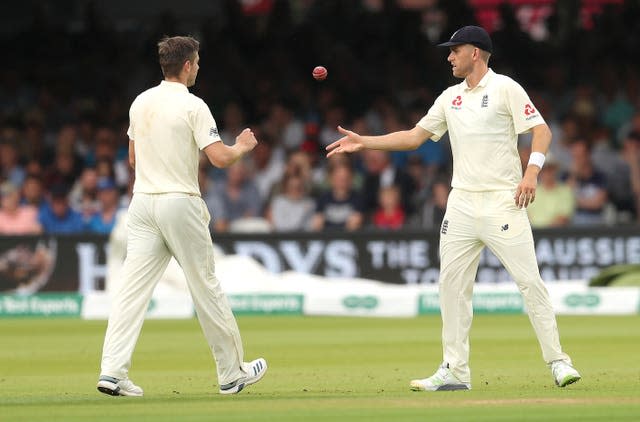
{"type": "Point", "coordinates": [213, 131]}
{"type": "Point", "coordinates": [456, 104]}
{"type": "Point", "coordinates": [530, 112]}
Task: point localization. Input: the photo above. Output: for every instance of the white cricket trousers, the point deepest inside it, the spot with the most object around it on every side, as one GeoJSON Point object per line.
{"type": "Point", "coordinates": [472, 221]}
{"type": "Point", "coordinates": [162, 225]}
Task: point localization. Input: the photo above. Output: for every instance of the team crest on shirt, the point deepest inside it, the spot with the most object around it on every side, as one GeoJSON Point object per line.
{"type": "Point", "coordinates": [213, 131]}
{"type": "Point", "coordinates": [530, 112]}
{"type": "Point", "coordinates": [456, 104]}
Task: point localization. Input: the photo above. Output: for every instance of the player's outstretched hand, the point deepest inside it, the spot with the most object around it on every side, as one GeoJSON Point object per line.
{"type": "Point", "coordinates": [246, 140]}
{"type": "Point", "coordinates": [350, 142]}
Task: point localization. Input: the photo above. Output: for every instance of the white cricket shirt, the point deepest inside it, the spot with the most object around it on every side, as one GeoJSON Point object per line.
{"type": "Point", "coordinates": [169, 126]}
{"type": "Point", "coordinates": [483, 124]}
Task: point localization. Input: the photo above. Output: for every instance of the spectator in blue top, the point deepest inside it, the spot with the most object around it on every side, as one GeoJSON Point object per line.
{"type": "Point", "coordinates": [57, 217]}
{"type": "Point", "coordinates": [109, 198]}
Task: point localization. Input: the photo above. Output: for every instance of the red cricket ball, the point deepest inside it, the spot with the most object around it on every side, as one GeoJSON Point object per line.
{"type": "Point", "coordinates": [320, 73]}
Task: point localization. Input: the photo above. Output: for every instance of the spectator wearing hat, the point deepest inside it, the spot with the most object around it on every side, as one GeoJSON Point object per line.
{"type": "Point", "coordinates": [16, 219]}
{"type": "Point", "coordinates": [108, 198]}
{"type": "Point", "coordinates": [57, 216]}
{"type": "Point", "coordinates": [555, 202]}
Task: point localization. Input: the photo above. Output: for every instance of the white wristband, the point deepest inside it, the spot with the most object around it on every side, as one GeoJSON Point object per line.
{"type": "Point", "coordinates": [537, 159]}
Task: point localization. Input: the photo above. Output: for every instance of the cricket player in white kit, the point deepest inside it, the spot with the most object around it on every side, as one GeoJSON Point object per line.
{"type": "Point", "coordinates": [483, 114]}
{"type": "Point", "coordinates": [167, 217]}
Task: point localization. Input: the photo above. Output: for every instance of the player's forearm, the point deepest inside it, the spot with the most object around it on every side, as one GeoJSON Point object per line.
{"type": "Point", "coordinates": [539, 145]}
{"type": "Point", "coordinates": [403, 140]}
{"type": "Point", "coordinates": [541, 139]}
{"type": "Point", "coordinates": [225, 155]}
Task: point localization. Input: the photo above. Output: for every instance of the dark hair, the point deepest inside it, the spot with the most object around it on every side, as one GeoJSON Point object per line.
{"type": "Point", "coordinates": [173, 52]}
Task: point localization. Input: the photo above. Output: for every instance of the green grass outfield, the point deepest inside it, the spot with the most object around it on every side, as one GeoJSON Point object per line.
{"type": "Point", "coordinates": [322, 369]}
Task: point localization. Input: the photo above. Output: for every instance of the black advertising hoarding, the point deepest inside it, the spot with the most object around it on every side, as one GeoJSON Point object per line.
{"type": "Point", "coordinates": [78, 263]}
{"type": "Point", "coordinates": [411, 257]}
{"type": "Point", "coordinates": [32, 264]}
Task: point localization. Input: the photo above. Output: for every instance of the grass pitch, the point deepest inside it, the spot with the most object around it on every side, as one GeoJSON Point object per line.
{"type": "Point", "coordinates": [322, 369]}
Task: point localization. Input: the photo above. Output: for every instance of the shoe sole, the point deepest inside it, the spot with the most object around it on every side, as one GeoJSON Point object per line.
{"type": "Point", "coordinates": [445, 387]}
{"type": "Point", "coordinates": [108, 391]}
{"type": "Point", "coordinates": [105, 388]}
{"type": "Point", "coordinates": [568, 381]}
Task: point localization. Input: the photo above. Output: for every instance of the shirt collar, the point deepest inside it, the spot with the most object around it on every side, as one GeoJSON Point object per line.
{"type": "Point", "coordinates": [483, 82]}
{"type": "Point", "coordinates": [174, 85]}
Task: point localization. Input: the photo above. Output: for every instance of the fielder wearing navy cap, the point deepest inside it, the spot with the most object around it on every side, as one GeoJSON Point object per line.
{"type": "Point", "coordinates": [473, 35]}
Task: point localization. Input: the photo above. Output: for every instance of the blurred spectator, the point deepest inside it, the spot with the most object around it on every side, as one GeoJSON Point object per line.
{"type": "Point", "coordinates": [10, 168]}
{"type": "Point", "coordinates": [422, 181]}
{"type": "Point", "coordinates": [234, 199]}
{"type": "Point", "coordinates": [389, 214]}
{"type": "Point", "coordinates": [57, 216]}
{"type": "Point", "coordinates": [67, 141]}
{"type": "Point", "coordinates": [329, 131]}
{"type": "Point", "coordinates": [106, 151]}
{"type": "Point", "coordinates": [429, 152]}
{"type": "Point", "coordinates": [631, 168]}
{"type": "Point", "coordinates": [16, 219]}
{"type": "Point", "coordinates": [63, 171]}
{"type": "Point", "coordinates": [299, 163]}
{"type": "Point", "coordinates": [379, 172]}
{"type": "Point", "coordinates": [33, 192]}
{"type": "Point", "coordinates": [283, 125]}
{"type": "Point", "coordinates": [589, 186]}
{"type": "Point", "coordinates": [554, 203]}
{"type": "Point", "coordinates": [321, 174]}
{"type": "Point", "coordinates": [104, 168]}
{"type": "Point", "coordinates": [233, 122]}
{"type": "Point", "coordinates": [560, 146]}
{"type": "Point", "coordinates": [109, 199]}
{"type": "Point", "coordinates": [431, 213]}
{"type": "Point", "coordinates": [268, 164]}
{"type": "Point", "coordinates": [292, 209]}
{"type": "Point", "coordinates": [617, 111]}
{"type": "Point", "coordinates": [84, 194]}
{"type": "Point", "coordinates": [340, 208]}
{"type": "Point", "coordinates": [633, 125]}
{"type": "Point", "coordinates": [585, 107]}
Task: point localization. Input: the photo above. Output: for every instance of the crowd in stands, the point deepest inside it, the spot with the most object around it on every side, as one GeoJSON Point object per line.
{"type": "Point", "coordinates": [64, 115]}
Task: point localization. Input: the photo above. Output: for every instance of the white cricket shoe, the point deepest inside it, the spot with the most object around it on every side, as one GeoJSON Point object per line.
{"type": "Point", "coordinates": [257, 369]}
{"type": "Point", "coordinates": [118, 387]}
{"type": "Point", "coordinates": [442, 380]}
{"type": "Point", "coordinates": [563, 373]}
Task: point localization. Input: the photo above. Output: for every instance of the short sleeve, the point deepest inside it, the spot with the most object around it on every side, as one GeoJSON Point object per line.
{"type": "Point", "coordinates": [525, 115]}
{"type": "Point", "coordinates": [435, 120]}
{"type": "Point", "coordinates": [205, 130]}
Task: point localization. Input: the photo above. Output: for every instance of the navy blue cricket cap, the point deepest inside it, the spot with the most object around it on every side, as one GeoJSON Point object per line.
{"type": "Point", "coordinates": [473, 35]}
